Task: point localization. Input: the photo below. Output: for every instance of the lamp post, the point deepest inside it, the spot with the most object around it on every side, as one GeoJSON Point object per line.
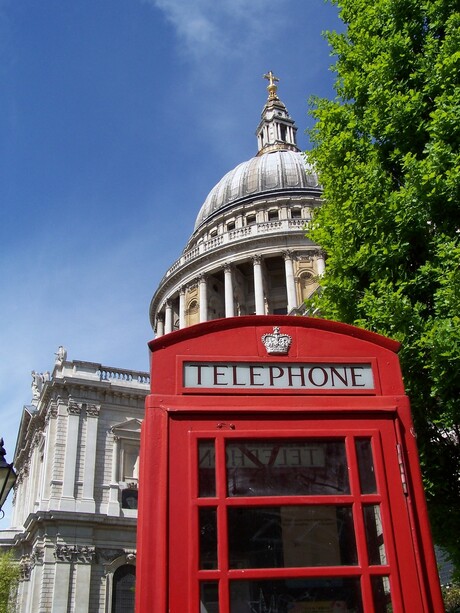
{"type": "Point", "coordinates": [7, 476]}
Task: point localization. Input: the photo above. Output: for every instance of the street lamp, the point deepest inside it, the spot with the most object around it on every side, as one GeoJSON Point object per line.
{"type": "Point", "coordinates": [7, 476]}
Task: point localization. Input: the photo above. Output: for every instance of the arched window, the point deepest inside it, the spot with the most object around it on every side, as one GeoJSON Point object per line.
{"type": "Point", "coordinates": [124, 580]}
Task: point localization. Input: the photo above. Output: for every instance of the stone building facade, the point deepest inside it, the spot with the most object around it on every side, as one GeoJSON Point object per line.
{"type": "Point", "coordinates": [75, 501]}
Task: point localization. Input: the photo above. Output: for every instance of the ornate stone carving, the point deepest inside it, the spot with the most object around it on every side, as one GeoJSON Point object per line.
{"type": "Point", "coordinates": [61, 355]}
{"type": "Point", "coordinates": [52, 412]}
{"type": "Point", "coordinates": [37, 385]}
{"type": "Point", "coordinates": [92, 410]}
{"type": "Point", "coordinates": [25, 569]}
{"type": "Point", "coordinates": [36, 440]}
{"type": "Point", "coordinates": [73, 408]}
{"type": "Point", "coordinates": [37, 556]}
{"type": "Point", "coordinates": [75, 553]}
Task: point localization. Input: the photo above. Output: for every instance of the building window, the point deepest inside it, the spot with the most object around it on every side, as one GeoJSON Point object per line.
{"type": "Point", "coordinates": [230, 226]}
{"type": "Point", "coordinates": [124, 580]}
{"type": "Point", "coordinates": [273, 215]}
{"type": "Point", "coordinates": [129, 461]}
{"type": "Point", "coordinates": [250, 219]}
{"type": "Point", "coordinates": [296, 213]}
{"type": "Point", "coordinates": [129, 498]}
{"type": "Point", "coordinates": [125, 468]}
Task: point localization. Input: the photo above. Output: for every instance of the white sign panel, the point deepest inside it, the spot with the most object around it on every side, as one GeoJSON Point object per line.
{"type": "Point", "coordinates": [240, 375]}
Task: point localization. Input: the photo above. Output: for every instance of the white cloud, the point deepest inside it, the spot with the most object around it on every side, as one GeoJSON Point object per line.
{"type": "Point", "coordinates": [213, 28]}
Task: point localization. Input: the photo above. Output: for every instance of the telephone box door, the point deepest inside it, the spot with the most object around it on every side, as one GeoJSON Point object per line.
{"type": "Point", "coordinates": [289, 515]}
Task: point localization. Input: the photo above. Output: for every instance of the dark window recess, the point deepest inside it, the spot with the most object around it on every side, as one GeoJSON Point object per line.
{"type": "Point", "coordinates": [296, 213]}
{"type": "Point", "coordinates": [124, 581]}
{"type": "Point", "coordinates": [273, 216]}
{"type": "Point", "coordinates": [230, 226]}
{"type": "Point", "coordinates": [250, 219]}
{"type": "Point", "coordinates": [129, 498]}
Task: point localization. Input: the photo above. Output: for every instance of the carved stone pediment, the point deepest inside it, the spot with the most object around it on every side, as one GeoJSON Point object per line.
{"type": "Point", "coordinates": [129, 429]}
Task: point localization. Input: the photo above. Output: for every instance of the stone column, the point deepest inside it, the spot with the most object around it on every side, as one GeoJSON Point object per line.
{"type": "Point", "coordinates": [168, 317]}
{"type": "Point", "coordinates": [182, 308]}
{"type": "Point", "coordinates": [229, 302]}
{"type": "Point", "coordinates": [84, 558]}
{"type": "Point", "coordinates": [160, 325]}
{"type": "Point", "coordinates": [320, 264]}
{"type": "Point", "coordinates": [50, 445]}
{"type": "Point", "coordinates": [203, 287]}
{"type": "Point", "coordinates": [83, 582]}
{"type": "Point", "coordinates": [290, 282]}
{"type": "Point", "coordinates": [31, 504]}
{"type": "Point", "coordinates": [61, 587]}
{"type": "Point", "coordinates": [258, 285]}
{"type": "Point", "coordinates": [87, 504]}
{"type": "Point", "coordinates": [70, 463]}
{"type": "Point", "coordinates": [113, 507]}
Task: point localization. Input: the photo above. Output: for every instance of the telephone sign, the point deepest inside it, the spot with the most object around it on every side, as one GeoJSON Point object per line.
{"type": "Point", "coordinates": [246, 375]}
{"type": "Point", "coordinates": [279, 474]}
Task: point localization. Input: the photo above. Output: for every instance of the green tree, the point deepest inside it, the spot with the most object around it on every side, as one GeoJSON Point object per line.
{"type": "Point", "coordinates": [387, 151]}
{"type": "Point", "coordinates": [9, 576]}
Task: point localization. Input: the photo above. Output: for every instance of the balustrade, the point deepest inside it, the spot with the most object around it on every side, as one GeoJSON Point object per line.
{"type": "Point", "coordinates": [235, 235]}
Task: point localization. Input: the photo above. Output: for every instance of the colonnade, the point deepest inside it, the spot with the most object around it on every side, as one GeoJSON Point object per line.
{"type": "Point", "coordinates": [168, 314]}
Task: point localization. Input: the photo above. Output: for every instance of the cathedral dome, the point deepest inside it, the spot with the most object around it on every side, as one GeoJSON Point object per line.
{"type": "Point", "coordinates": [267, 174]}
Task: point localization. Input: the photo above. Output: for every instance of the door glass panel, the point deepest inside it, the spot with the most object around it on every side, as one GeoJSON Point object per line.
{"type": "Point", "coordinates": [325, 595]}
{"type": "Point", "coordinates": [286, 468]}
{"type": "Point", "coordinates": [381, 594]}
{"type": "Point", "coordinates": [291, 536]}
{"type": "Point", "coordinates": [206, 469]}
{"type": "Point", "coordinates": [209, 597]}
{"type": "Point", "coordinates": [366, 466]}
{"type": "Point", "coordinates": [208, 538]}
{"type": "Point", "coordinates": [374, 534]}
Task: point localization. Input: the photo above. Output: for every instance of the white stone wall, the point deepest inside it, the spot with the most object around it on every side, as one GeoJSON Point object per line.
{"type": "Point", "coordinates": [67, 542]}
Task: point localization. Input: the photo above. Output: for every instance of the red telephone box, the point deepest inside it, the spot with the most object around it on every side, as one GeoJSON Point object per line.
{"type": "Point", "coordinates": [279, 474]}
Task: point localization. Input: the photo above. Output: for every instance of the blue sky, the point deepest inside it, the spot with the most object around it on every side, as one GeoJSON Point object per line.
{"type": "Point", "coordinates": [117, 118]}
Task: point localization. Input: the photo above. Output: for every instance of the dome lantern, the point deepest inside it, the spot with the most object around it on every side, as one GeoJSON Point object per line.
{"type": "Point", "coordinates": [276, 130]}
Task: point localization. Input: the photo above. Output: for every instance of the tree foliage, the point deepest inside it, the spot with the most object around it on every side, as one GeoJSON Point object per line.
{"type": "Point", "coordinates": [387, 151]}
{"type": "Point", "coordinates": [9, 576]}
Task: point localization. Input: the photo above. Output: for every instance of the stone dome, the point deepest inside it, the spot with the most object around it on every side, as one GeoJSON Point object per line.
{"type": "Point", "coordinates": [260, 176]}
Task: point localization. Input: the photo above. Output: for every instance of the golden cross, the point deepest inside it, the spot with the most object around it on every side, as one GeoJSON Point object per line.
{"type": "Point", "coordinates": [271, 77]}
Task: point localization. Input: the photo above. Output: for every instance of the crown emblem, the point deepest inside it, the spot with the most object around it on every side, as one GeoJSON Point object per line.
{"type": "Point", "coordinates": [277, 343]}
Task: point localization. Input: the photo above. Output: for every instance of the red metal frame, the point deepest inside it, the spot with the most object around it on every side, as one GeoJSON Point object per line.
{"type": "Point", "coordinates": [175, 417]}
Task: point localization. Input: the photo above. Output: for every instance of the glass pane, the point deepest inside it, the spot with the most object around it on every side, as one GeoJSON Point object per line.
{"type": "Point", "coordinates": [209, 597]}
{"type": "Point", "coordinates": [208, 538]}
{"type": "Point", "coordinates": [290, 536]}
{"type": "Point", "coordinates": [206, 469]}
{"type": "Point", "coordinates": [321, 595]}
{"type": "Point", "coordinates": [374, 534]}
{"type": "Point", "coordinates": [381, 594]}
{"type": "Point", "coordinates": [366, 466]}
{"type": "Point", "coordinates": [124, 580]}
{"type": "Point", "coordinates": [279, 467]}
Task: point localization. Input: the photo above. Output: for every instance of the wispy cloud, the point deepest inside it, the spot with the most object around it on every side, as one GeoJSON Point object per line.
{"type": "Point", "coordinates": [220, 27]}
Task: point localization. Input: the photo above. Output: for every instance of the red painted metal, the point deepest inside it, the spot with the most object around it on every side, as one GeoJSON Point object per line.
{"type": "Point", "coordinates": [176, 416]}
